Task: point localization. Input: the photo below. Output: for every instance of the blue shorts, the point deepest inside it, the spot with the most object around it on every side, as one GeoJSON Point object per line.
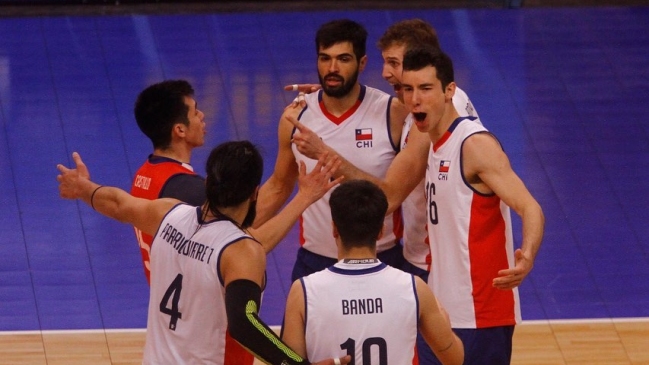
{"type": "Point", "coordinates": [483, 346]}
{"type": "Point", "coordinates": [414, 270]}
{"type": "Point", "coordinates": [308, 262]}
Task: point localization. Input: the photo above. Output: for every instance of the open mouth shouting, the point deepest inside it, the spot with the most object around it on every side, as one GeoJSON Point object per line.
{"type": "Point", "coordinates": [419, 117]}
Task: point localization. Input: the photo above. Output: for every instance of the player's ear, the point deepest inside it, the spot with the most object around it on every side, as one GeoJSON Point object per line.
{"type": "Point", "coordinates": [334, 230]}
{"type": "Point", "coordinates": [449, 92]}
{"type": "Point", "coordinates": [362, 63]}
{"type": "Point", "coordinates": [179, 129]}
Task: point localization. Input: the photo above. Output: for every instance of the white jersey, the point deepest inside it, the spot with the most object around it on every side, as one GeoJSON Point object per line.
{"type": "Point", "coordinates": [362, 136]}
{"type": "Point", "coordinates": [187, 321]}
{"type": "Point", "coordinates": [416, 247]}
{"type": "Point", "coordinates": [471, 239]}
{"type": "Point", "coordinates": [369, 311]}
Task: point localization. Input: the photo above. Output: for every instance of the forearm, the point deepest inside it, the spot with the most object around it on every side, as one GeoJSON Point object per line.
{"type": "Point", "coordinates": [533, 222]}
{"type": "Point", "coordinates": [245, 326]}
{"type": "Point", "coordinates": [453, 354]}
{"type": "Point", "coordinates": [275, 229]}
{"type": "Point", "coordinates": [108, 201]}
{"type": "Point", "coordinates": [270, 200]}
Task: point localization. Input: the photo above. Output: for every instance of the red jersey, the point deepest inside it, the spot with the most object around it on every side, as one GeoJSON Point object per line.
{"type": "Point", "coordinates": [148, 183]}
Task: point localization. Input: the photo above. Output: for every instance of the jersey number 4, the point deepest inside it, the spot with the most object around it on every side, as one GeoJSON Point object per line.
{"type": "Point", "coordinates": [173, 293]}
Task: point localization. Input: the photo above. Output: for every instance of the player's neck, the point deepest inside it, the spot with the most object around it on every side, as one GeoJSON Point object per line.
{"type": "Point", "coordinates": [338, 106]}
{"type": "Point", "coordinates": [358, 253]}
{"type": "Point", "coordinates": [439, 130]}
{"type": "Point", "coordinates": [175, 153]}
{"type": "Point", "coordinates": [236, 214]}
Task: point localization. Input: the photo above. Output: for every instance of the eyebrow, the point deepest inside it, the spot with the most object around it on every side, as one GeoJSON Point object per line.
{"type": "Point", "coordinates": [336, 56]}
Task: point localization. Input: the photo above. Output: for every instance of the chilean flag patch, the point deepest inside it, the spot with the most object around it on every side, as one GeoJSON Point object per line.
{"type": "Point", "coordinates": [364, 134]}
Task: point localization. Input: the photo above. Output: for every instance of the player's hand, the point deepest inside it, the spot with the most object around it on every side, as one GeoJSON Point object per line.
{"type": "Point", "coordinates": [511, 278]}
{"type": "Point", "coordinates": [302, 89]}
{"type": "Point", "coordinates": [306, 141]}
{"type": "Point", "coordinates": [336, 361]}
{"type": "Point", "coordinates": [315, 184]}
{"type": "Point", "coordinates": [72, 181]}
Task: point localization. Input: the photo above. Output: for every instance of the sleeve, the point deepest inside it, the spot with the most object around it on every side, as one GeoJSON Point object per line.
{"type": "Point", "coordinates": [242, 299]}
{"type": "Point", "coordinates": [188, 188]}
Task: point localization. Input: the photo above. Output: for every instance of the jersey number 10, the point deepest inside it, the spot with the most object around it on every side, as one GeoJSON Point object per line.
{"type": "Point", "coordinates": [350, 347]}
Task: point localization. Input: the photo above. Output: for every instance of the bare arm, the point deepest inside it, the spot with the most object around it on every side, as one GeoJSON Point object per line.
{"type": "Point", "coordinates": [312, 187]}
{"type": "Point", "coordinates": [243, 280]}
{"type": "Point", "coordinates": [293, 330]}
{"type": "Point", "coordinates": [279, 186]}
{"type": "Point", "coordinates": [405, 172]}
{"type": "Point", "coordinates": [435, 327]}
{"type": "Point", "coordinates": [112, 202]}
{"type": "Point", "coordinates": [487, 168]}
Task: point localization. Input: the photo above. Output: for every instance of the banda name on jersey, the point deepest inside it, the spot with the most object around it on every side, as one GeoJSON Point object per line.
{"type": "Point", "coordinates": [362, 306]}
{"type": "Point", "coordinates": [185, 246]}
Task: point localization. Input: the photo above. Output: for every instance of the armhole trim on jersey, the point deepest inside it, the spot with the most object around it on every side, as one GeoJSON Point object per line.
{"type": "Point", "coordinates": [306, 308]}
{"type": "Point", "coordinates": [466, 183]}
{"type": "Point", "coordinates": [218, 261]}
{"type": "Point", "coordinates": [298, 118]}
{"type": "Point", "coordinates": [388, 116]}
{"type": "Point", "coordinates": [416, 294]}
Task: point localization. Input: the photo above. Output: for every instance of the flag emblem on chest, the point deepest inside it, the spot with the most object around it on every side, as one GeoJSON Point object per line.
{"type": "Point", "coordinates": [364, 134]}
{"type": "Point", "coordinates": [444, 165]}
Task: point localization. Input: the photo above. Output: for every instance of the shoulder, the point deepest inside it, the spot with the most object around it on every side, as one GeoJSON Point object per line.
{"type": "Point", "coordinates": [247, 247]}
{"type": "Point", "coordinates": [463, 104]}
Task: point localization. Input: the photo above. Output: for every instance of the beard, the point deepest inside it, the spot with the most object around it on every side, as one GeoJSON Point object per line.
{"type": "Point", "coordinates": [339, 91]}
{"type": "Point", "coordinates": [250, 216]}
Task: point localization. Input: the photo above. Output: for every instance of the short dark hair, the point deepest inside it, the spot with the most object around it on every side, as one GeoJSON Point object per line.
{"type": "Point", "coordinates": [420, 57]}
{"type": "Point", "coordinates": [233, 172]}
{"type": "Point", "coordinates": [342, 30]}
{"type": "Point", "coordinates": [159, 107]}
{"type": "Point", "coordinates": [358, 208]}
{"type": "Point", "coordinates": [411, 33]}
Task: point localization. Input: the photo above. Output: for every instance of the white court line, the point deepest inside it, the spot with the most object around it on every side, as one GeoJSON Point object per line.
{"type": "Point", "coordinates": [276, 328]}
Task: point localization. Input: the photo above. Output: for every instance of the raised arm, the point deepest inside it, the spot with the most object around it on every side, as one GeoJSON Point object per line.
{"type": "Point", "coordinates": [487, 168]}
{"type": "Point", "coordinates": [312, 187]}
{"type": "Point", "coordinates": [112, 202]}
{"type": "Point", "coordinates": [435, 327]}
{"type": "Point", "coordinates": [279, 186]}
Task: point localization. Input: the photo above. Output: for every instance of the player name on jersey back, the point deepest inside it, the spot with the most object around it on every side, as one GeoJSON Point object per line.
{"type": "Point", "coordinates": [362, 306]}
{"type": "Point", "coordinates": [185, 246]}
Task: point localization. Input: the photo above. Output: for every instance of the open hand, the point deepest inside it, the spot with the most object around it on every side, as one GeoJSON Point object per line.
{"type": "Point", "coordinates": [511, 278]}
{"type": "Point", "coordinates": [73, 181]}
{"type": "Point", "coordinates": [315, 184]}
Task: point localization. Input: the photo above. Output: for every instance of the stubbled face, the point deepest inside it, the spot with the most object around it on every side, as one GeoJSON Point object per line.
{"type": "Point", "coordinates": [338, 69]}
{"type": "Point", "coordinates": [393, 67]}
{"type": "Point", "coordinates": [195, 131]}
{"type": "Point", "coordinates": [425, 98]}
